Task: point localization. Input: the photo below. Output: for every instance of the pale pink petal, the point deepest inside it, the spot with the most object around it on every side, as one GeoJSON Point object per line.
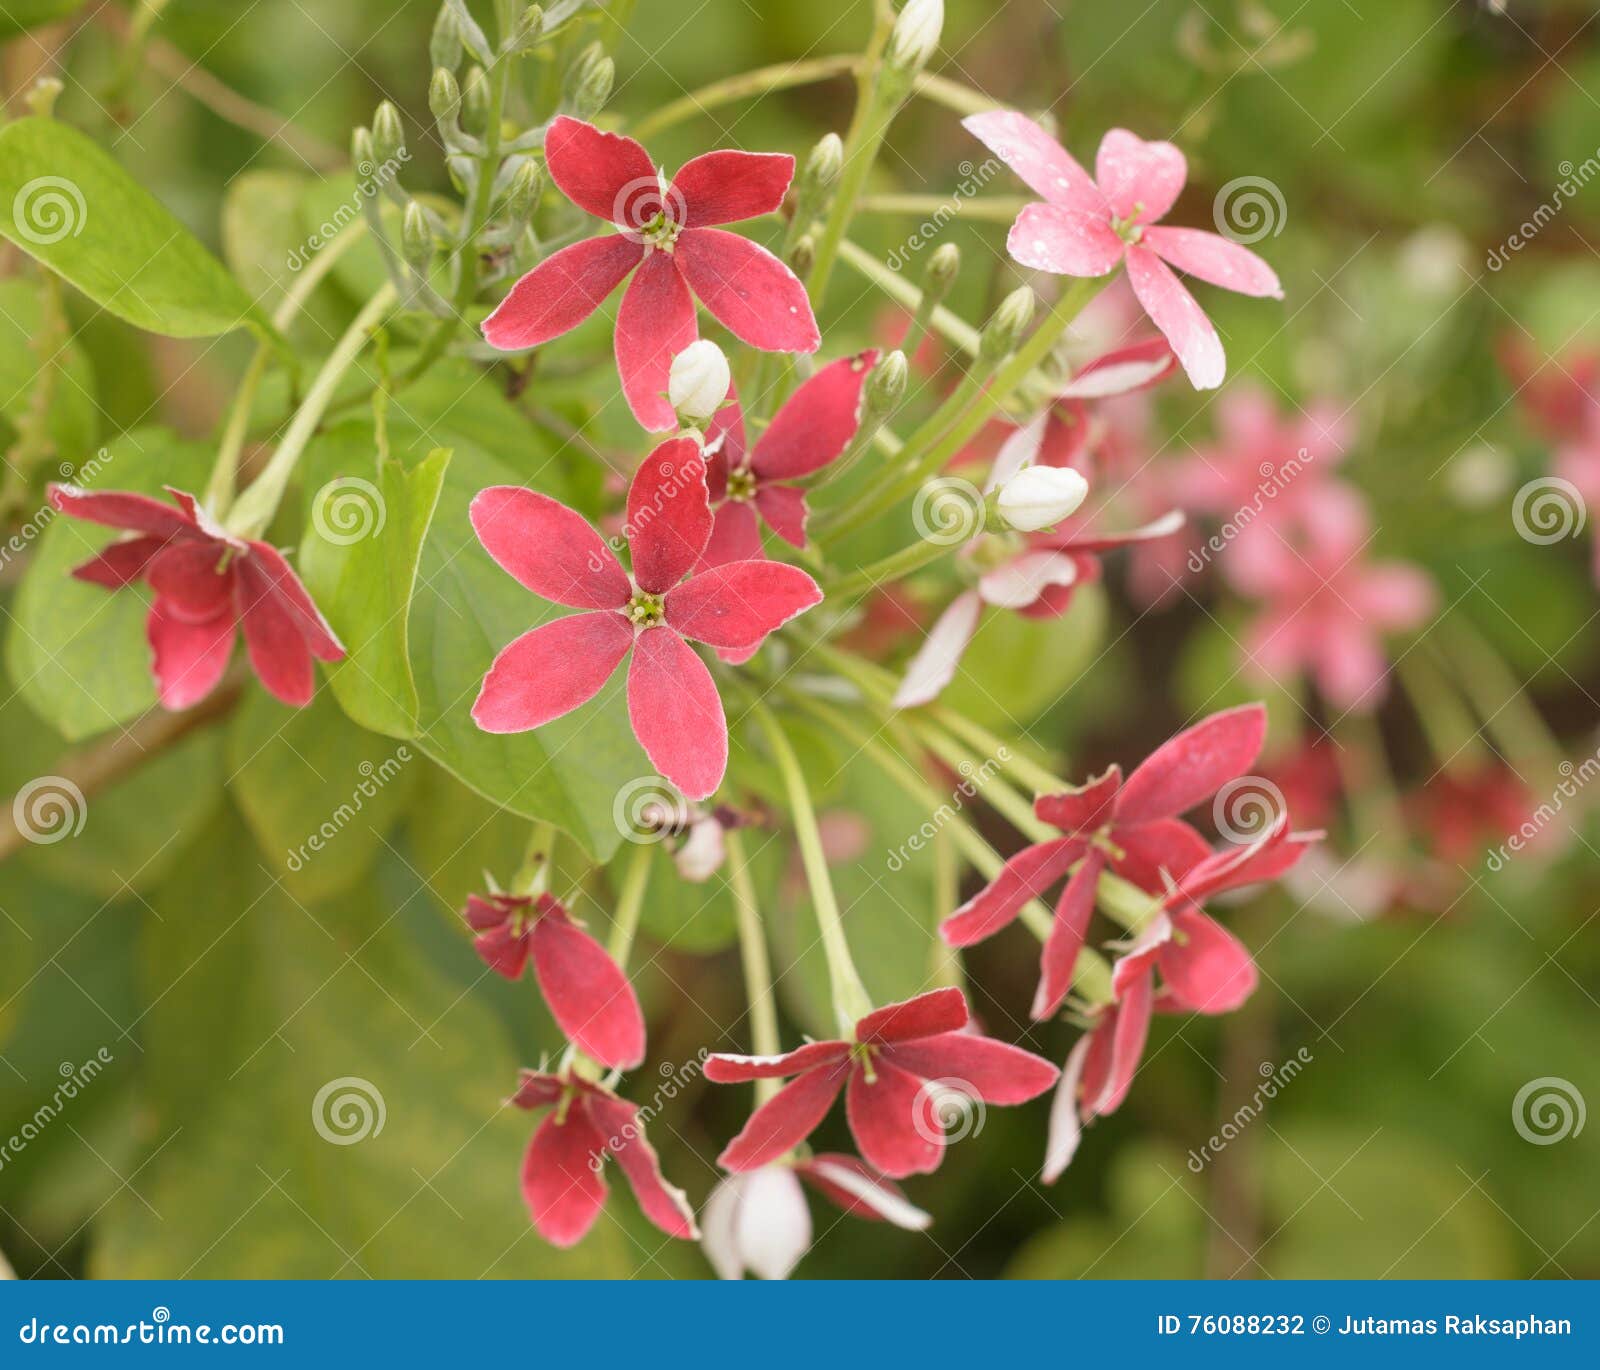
{"type": "Point", "coordinates": [1214, 259]}
{"type": "Point", "coordinates": [1140, 180]}
{"type": "Point", "coordinates": [1041, 163]}
{"type": "Point", "coordinates": [1183, 323]}
{"type": "Point", "coordinates": [1064, 241]}
{"type": "Point", "coordinates": [934, 665]}
{"type": "Point", "coordinates": [1022, 580]}
{"type": "Point", "coordinates": [1066, 1130]}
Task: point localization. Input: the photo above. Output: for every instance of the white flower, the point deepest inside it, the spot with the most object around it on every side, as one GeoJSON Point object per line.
{"type": "Point", "coordinates": [702, 853]}
{"type": "Point", "coordinates": [698, 382]}
{"type": "Point", "coordinates": [757, 1221]}
{"type": "Point", "coordinates": [1040, 496]}
{"type": "Point", "coordinates": [916, 33]}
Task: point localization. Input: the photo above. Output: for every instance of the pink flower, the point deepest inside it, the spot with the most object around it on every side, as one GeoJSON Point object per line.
{"type": "Point", "coordinates": [1202, 967]}
{"type": "Point", "coordinates": [667, 240]}
{"type": "Point", "coordinates": [1327, 608]}
{"type": "Point", "coordinates": [1039, 581]}
{"type": "Point", "coordinates": [563, 1170]}
{"type": "Point", "coordinates": [589, 996]}
{"type": "Point", "coordinates": [897, 1066]}
{"type": "Point", "coordinates": [1129, 827]}
{"type": "Point", "coordinates": [1088, 227]}
{"type": "Point", "coordinates": [812, 429]}
{"type": "Point", "coordinates": [672, 701]}
{"type": "Point", "coordinates": [205, 583]}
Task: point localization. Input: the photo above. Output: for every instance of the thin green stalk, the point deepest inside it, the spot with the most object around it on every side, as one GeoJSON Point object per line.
{"type": "Point", "coordinates": [259, 503]}
{"type": "Point", "coordinates": [850, 999]}
{"type": "Point", "coordinates": [999, 209]}
{"type": "Point", "coordinates": [764, 1040]}
{"type": "Point", "coordinates": [1445, 718]}
{"type": "Point", "coordinates": [1500, 698]}
{"type": "Point", "coordinates": [891, 567]}
{"type": "Point", "coordinates": [944, 961]}
{"type": "Point", "coordinates": [533, 875]}
{"type": "Point", "coordinates": [630, 903]}
{"type": "Point", "coordinates": [745, 86]}
{"type": "Point", "coordinates": [951, 326]}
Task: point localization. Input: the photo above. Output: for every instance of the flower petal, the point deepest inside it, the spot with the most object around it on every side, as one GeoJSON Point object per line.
{"type": "Point", "coordinates": [785, 1120]}
{"type": "Point", "coordinates": [279, 654]}
{"type": "Point", "coordinates": [735, 536]}
{"type": "Point", "coordinates": [562, 1187]}
{"type": "Point", "coordinates": [1182, 322]}
{"type": "Point", "coordinates": [748, 291]}
{"type": "Point", "coordinates": [1193, 765]}
{"type": "Point", "coordinates": [1205, 968]}
{"type": "Point", "coordinates": [120, 509]}
{"type": "Point", "coordinates": [264, 566]}
{"type": "Point", "coordinates": [548, 548]}
{"type": "Point", "coordinates": [589, 996]}
{"type": "Point", "coordinates": [1063, 240]}
{"type": "Point", "coordinates": [550, 670]}
{"type": "Point", "coordinates": [1214, 259]}
{"type": "Point", "coordinates": [1041, 163]}
{"type": "Point", "coordinates": [122, 562]}
{"type": "Point", "coordinates": [597, 171]}
{"type": "Point", "coordinates": [1084, 809]}
{"type": "Point", "coordinates": [996, 1072]}
{"type": "Point", "coordinates": [184, 576]}
{"type": "Point", "coordinates": [727, 185]}
{"type": "Point", "coordinates": [861, 1192]}
{"type": "Point", "coordinates": [738, 604]}
{"type": "Point", "coordinates": [1023, 580]}
{"type": "Point", "coordinates": [939, 1010]}
{"type": "Point", "coordinates": [665, 1205]}
{"type": "Point", "coordinates": [895, 1120]}
{"type": "Point", "coordinates": [188, 657]}
{"type": "Point", "coordinates": [655, 322]}
{"type": "Point", "coordinates": [1027, 875]}
{"type": "Point", "coordinates": [1065, 1128]}
{"type": "Point", "coordinates": [816, 423]}
{"type": "Point", "coordinates": [1158, 853]}
{"type": "Point", "coordinates": [934, 665]}
{"type": "Point", "coordinates": [784, 509]}
{"type": "Point", "coordinates": [669, 515]}
{"type": "Point", "coordinates": [1126, 1036]}
{"type": "Point", "coordinates": [676, 713]}
{"type": "Point", "coordinates": [1059, 956]}
{"type": "Point", "coordinates": [723, 1068]}
{"type": "Point", "coordinates": [1140, 180]}
{"type": "Point", "coordinates": [1122, 371]}
{"type": "Point", "coordinates": [561, 292]}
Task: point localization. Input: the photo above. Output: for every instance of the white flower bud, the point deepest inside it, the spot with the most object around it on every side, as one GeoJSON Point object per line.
{"type": "Point", "coordinates": [703, 851]}
{"type": "Point", "coordinates": [916, 34]}
{"type": "Point", "coordinates": [1040, 496]}
{"type": "Point", "coordinates": [698, 382]}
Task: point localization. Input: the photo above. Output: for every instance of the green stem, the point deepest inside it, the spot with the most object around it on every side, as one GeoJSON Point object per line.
{"type": "Point", "coordinates": [952, 327]}
{"type": "Point", "coordinates": [630, 903]}
{"type": "Point", "coordinates": [850, 999]}
{"type": "Point", "coordinates": [891, 567]}
{"type": "Point", "coordinates": [533, 875]}
{"type": "Point", "coordinates": [1445, 718]}
{"type": "Point", "coordinates": [259, 503]}
{"type": "Point", "coordinates": [999, 209]}
{"type": "Point", "coordinates": [753, 957]}
{"type": "Point", "coordinates": [1500, 698]}
{"type": "Point", "coordinates": [747, 85]}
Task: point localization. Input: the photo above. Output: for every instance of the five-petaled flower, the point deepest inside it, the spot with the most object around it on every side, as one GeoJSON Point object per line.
{"type": "Point", "coordinates": [1129, 826]}
{"type": "Point", "coordinates": [900, 1066]}
{"type": "Point", "coordinates": [206, 584]}
{"type": "Point", "coordinates": [1086, 227]}
{"type": "Point", "coordinates": [672, 701]}
{"type": "Point", "coordinates": [589, 996]}
{"type": "Point", "coordinates": [563, 1179]}
{"type": "Point", "coordinates": [669, 236]}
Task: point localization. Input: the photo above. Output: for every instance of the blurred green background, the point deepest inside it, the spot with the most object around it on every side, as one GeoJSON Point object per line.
{"type": "Point", "coordinates": [1407, 139]}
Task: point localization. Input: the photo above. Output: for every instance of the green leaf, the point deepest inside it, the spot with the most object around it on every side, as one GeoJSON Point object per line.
{"type": "Point", "coordinates": [358, 557]}
{"type": "Point", "coordinates": [37, 367]}
{"type": "Point", "coordinates": [77, 653]}
{"type": "Point", "coordinates": [262, 232]}
{"type": "Point", "coordinates": [319, 794]}
{"type": "Point", "coordinates": [18, 16]}
{"type": "Point", "coordinates": [65, 201]}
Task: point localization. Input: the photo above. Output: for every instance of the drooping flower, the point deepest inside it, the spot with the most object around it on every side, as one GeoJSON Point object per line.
{"type": "Point", "coordinates": [1087, 227]}
{"type": "Point", "coordinates": [900, 1065]}
{"type": "Point", "coordinates": [673, 703]}
{"type": "Point", "coordinates": [745, 480]}
{"type": "Point", "coordinates": [757, 1220]}
{"type": "Point", "coordinates": [1202, 968]}
{"type": "Point", "coordinates": [563, 1179]}
{"type": "Point", "coordinates": [666, 237]}
{"type": "Point", "coordinates": [1130, 827]}
{"type": "Point", "coordinates": [589, 996]}
{"type": "Point", "coordinates": [206, 585]}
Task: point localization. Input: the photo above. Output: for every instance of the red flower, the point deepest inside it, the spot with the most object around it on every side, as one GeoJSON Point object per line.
{"type": "Point", "coordinates": [588, 994]}
{"type": "Point", "coordinates": [563, 1170]}
{"type": "Point", "coordinates": [1087, 227]}
{"type": "Point", "coordinates": [902, 1060]}
{"type": "Point", "coordinates": [205, 583]}
{"type": "Point", "coordinates": [813, 428]}
{"type": "Point", "coordinates": [1131, 827]}
{"type": "Point", "coordinates": [668, 235]}
{"type": "Point", "coordinates": [672, 701]}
